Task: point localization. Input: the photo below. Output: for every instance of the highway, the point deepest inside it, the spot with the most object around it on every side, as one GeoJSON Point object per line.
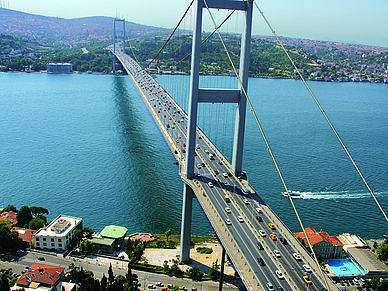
{"type": "Point", "coordinates": [212, 182]}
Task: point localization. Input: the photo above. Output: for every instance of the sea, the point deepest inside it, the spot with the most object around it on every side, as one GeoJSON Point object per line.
{"type": "Point", "coordinates": [87, 146]}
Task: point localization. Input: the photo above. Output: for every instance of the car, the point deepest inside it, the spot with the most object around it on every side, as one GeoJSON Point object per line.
{"type": "Point", "coordinates": [296, 256]}
{"type": "Point", "coordinates": [279, 274]}
{"type": "Point", "coordinates": [277, 253]}
{"type": "Point", "coordinates": [206, 151]}
{"type": "Point", "coordinates": [226, 198]}
{"type": "Point", "coordinates": [362, 280]}
{"type": "Point", "coordinates": [198, 174]}
{"type": "Point", "coordinates": [307, 268]}
{"type": "Point", "coordinates": [228, 221]}
{"type": "Point", "coordinates": [159, 284]}
{"type": "Point", "coordinates": [246, 202]}
{"type": "Point", "coordinates": [150, 286]}
{"type": "Point", "coordinates": [183, 150]}
{"type": "Point", "coordinates": [197, 146]}
{"type": "Point", "coordinates": [41, 259]}
{"type": "Point", "coordinates": [184, 144]}
{"type": "Point", "coordinates": [259, 246]}
{"type": "Point", "coordinates": [280, 288]}
{"type": "Point", "coordinates": [270, 286]}
{"type": "Point", "coordinates": [210, 184]}
{"type": "Point", "coordinates": [225, 175]}
{"type": "Point", "coordinates": [220, 162]}
{"type": "Point", "coordinates": [182, 288]}
{"type": "Point", "coordinates": [273, 236]}
{"type": "Point", "coordinates": [169, 285]}
{"type": "Point", "coordinates": [262, 233]}
{"type": "Point", "coordinates": [259, 218]}
{"type": "Point", "coordinates": [216, 172]}
{"type": "Point", "coordinates": [240, 218]}
{"type": "Point", "coordinates": [271, 225]}
{"type": "Point", "coordinates": [307, 280]}
{"type": "Point", "coordinates": [177, 140]}
{"type": "Point", "coordinates": [225, 184]}
{"type": "Point", "coordinates": [261, 261]}
{"type": "Point", "coordinates": [258, 209]}
{"type": "Point", "coordinates": [283, 240]}
{"type": "Point", "coordinates": [227, 210]}
{"type": "Point", "coordinates": [244, 191]}
{"type": "Point", "coordinates": [199, 166]}
{"type": "Point", "coordinates": [203, 165]}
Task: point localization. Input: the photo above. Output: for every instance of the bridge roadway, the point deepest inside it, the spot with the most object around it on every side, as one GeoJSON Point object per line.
{"type": "Point", "coordinates": [240, 237]}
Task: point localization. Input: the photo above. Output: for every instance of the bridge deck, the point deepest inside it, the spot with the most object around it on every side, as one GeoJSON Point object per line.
{"type": "Point", "coordinates": [239, 226]}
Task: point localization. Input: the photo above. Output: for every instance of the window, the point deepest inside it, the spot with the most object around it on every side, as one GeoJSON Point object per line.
{"type": "Point", "coordinates": [37, 239]}
{"type": "Point", "coordinates": [59, 239]}
{"type": "Point", "coordinates": [52, 239]}
{"type": "Point", "coordinates": [37, 244]}
{"type": "Point", "coordinates": [44, 244]}
{"type": "Point", "coordinates": [53, 244]}
{"type": "Point", "coordinates": [60, 245]}
{"type": "Point", "coordinates": [44, 239]}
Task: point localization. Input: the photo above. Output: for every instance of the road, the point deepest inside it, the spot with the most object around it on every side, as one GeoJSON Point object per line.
{"type": "Point", "coordinates": [212, 182]}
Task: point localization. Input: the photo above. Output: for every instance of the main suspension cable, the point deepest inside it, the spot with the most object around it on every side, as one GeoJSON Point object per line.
{"type": "Point", "coordinates": [265, 139]}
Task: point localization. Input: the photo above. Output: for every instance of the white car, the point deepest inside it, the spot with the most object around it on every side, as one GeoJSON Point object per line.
{"type": "Point", "coordinates": [307, 268]}
{"type": "Point", "coordinates": [225, 175]}
{"type": "Point", "coordinates": [210, 184]}
{"type": "Point", "coordinates": [159, 284]}
{"type": "Point", "coordinates": [228, 221]}
{"type": "Point", "coordinates": [277, 253]}
{"type": "Point", "coordinates": [297, 256]}
{"type": "Point", "coordinates": [279, 274]}
{"type": "Point", "coordinates": [262, 233]}
{"type": "Point", "coordinates": [198, 166]}
{"type": "Point", "coordinates": [150, 286]}
{"type": "Point", "coordinates": [246, 202]}
{"type": "Point", "coordinates": [240, 218]}
{"type": "Point", "coordinates": [227, 209]}
{"type": "Point", "coordinates": [258, 210]}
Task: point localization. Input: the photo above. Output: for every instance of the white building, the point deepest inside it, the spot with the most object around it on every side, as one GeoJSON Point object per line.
{"type": "Point", "coordinates": [58, 234]}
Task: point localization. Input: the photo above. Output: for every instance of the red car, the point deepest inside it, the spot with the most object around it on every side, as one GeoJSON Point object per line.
{"type": "Point", "coordinates": [184, 144]}
{"type": "Point", "coordinates": [220, 162]}
{"type": "Point", "coordinates": [183, 150]}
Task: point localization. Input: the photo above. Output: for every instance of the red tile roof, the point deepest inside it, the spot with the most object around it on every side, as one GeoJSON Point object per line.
{"type": "Point", "coordinates": [9, 215]}
{"type": "Point", "coordinates": [40, 273]}
{"type": "Point", "coordinates": [316, 237]}
{"type": "Point", "coordinates": [25, 234]}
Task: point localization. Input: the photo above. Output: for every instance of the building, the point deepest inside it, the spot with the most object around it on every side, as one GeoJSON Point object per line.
{"type": "Point", "coordinates": [367, 261]}
{"type": "Point", "coordinates": [351, 241]}
{"type": "Point", "coordinates": [27, 235]}
{"type": "Point", "coordinates": [10, 216]}
{"type": "Point", "coordinates": [58, 235]}
{"type": "Point", "coordinates": [40, 275]}
{"type": "Point", "coordinates": [324, 246]}
{"type": "Point", "coordinates": [59, 68]}
{"type": "Point", "coordinates": [115, 232]}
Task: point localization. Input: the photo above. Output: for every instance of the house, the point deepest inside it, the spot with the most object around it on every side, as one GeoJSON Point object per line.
{"type": "Point", "coordinates": [117, 233]}
{"type": "Point", "coordinates": [40, 275]}
{"type": "Point", "coordinates": [27, 235]}
{"type": "Point", "coordinates": [10, 216]}
{"type": "Point", "coordinates": [324, 246]}
{"type": "Point", "coordinates": [58, 235]}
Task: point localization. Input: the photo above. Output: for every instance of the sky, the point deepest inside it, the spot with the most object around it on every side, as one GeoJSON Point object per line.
{"type": "Point", "coordinates": [348, 21]}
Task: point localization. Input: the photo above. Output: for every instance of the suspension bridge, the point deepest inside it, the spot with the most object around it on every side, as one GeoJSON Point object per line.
{"type": "Point", "coordinates": [264, 252]}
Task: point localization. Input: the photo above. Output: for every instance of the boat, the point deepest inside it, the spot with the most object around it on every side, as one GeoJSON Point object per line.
{"type": "Point", "coordinates": [292, 193]}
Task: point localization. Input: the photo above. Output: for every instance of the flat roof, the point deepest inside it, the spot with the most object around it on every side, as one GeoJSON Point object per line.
{"type": "Point", "coordinates": [103, 241]}
{"type": "Point", "coordinates": [114, 231]}
{"type": "Point", "coordinates": [368, 260]}
{"type": "Point", "coordinates": [60, 226]}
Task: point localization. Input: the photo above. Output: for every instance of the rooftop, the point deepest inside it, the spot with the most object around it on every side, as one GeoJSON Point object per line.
{"type": "Point", "coordinates": [41, 274]}
{"type": "Point", "coordinates": [114, 231]}
{"type": "Point", "coordinates": [60, 226]}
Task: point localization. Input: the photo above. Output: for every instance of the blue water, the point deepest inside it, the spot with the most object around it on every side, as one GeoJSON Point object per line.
{"type": "Point", "coordinates": [343, 267]}
{"type": "Point", "coordinates": [87, 146]}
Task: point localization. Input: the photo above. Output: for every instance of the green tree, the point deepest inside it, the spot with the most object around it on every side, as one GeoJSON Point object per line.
{"type": "Point", "coordinates": [10, 207]}
{"type": "Point", "coordinates": [195, 273]}
{"type": "Point", "coordinates": [88, 232]}
{"type": "Point", "coordinates": [167, 233]}
{"type": "Point", "coordinates": [214, 272]}
{"type": "Point", "coordinates": [38, 210]}
{"type": "Point", "coordinates": [36, 223]}
{"type": "Point", "coordinates": [111, 277]}
{"type": "Point", "coordinates": [86, 247]}
{"type": "Point", "coordinates": [175, 270]}
{"type": "Point", "coordinates": [10, 240]}
{"type": "Point", "coordinates": [382, 252]}
{"type": "Point", "coordinates": [119, 282]}
{"type": "Point", "coordinates": [166, 267]}
{"type": "Point", "coordinates": [4, 283]}
{"type": "Point", "coordinates": [24, 216]}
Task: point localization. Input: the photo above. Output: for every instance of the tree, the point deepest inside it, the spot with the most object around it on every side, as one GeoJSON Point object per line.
{"type": "Point", "coordinates": [24, 216]}
{"type": "Point", "coordinates": [195, 273]}
{"type": "Point", "coordinates": [166, 267]}
{"type": "Point", "coordinates": [214, 272]}
{"type": "Point", "coordinates": [111, 277]}
{"type": "Point", "coordinates": [88, 232]}
{"type": "Point", "coordinates": [36, 223]}
{"type": "Point", "coordinates": [382, 252]}
{"type": "Point", "coordinates": [38, 210]}
{"type": "Point", "coordinates": [4, 283]}
{"type": "Point", "coordinates": [175, 270]}
{"type": "Point", "coordinates": [10, 207]}
{"type": "Point", "coordinates": [167, 233]}
{"type": "Point", "coordinates": [86, 247]}
{"type": "Point", "coordinates": [10, 240]}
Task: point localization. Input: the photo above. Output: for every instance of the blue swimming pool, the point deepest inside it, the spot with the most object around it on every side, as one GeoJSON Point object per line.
{"type": "Point", "coordinates": [343, 267]}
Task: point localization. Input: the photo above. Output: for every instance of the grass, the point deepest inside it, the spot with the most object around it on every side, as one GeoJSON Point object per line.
{"type": "Point", "coordinates": [160, 241]}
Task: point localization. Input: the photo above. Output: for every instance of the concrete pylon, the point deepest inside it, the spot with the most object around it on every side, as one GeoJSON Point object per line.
{"type": "Point", "coordinates": [114, 41]}
{"type": "Point", "coordinates": [207, 95]}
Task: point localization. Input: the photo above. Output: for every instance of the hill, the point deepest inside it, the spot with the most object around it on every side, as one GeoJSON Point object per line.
{"type": "Point", "coordinates": [66, 32]}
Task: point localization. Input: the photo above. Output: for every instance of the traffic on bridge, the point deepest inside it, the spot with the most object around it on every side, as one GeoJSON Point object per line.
{"type": "Point", "coordinates": [265, 253]}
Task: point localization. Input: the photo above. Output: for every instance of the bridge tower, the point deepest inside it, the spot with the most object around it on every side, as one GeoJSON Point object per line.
{"type": "Point", "coordinates": [114, 40]}
{"type": "Point", "coordinates": [207, 95]}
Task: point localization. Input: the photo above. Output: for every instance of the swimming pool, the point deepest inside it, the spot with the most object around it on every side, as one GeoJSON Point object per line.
{"type": "Point", "coordinates": [343, 267]}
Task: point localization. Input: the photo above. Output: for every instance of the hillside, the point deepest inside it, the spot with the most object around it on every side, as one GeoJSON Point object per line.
{"type": "Point", "coordinates": [66, 32]}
